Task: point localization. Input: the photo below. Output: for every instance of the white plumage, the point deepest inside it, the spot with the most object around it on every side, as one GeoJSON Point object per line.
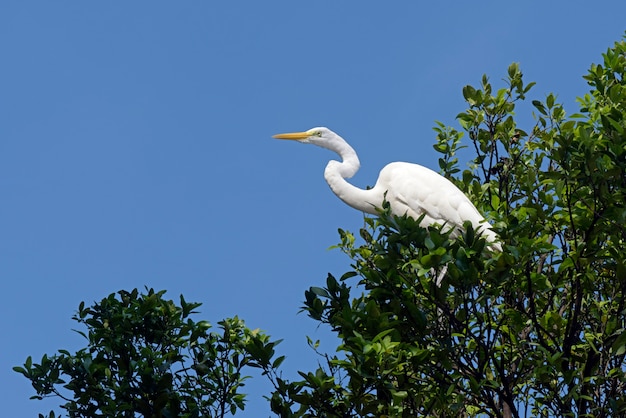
{"type": "Point", "coordinates": [410, 189]}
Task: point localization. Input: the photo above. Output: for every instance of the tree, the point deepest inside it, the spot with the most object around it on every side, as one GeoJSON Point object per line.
{"type": "Point", "coordinates": [147, 357]}
{"type": "Point", "coordinates": [537, 330]}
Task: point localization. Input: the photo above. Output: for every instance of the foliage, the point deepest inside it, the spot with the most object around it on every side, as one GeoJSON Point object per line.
{"type": "Point", "coordinates": [536, 330]}
{"type": "Point", "coordinates": [146, 357]}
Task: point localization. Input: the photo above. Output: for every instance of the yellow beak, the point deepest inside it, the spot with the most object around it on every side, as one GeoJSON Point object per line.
{"type": "Point", "coordinates": [293, 136]}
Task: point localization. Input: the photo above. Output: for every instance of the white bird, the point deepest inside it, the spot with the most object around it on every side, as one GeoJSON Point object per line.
{"type": "Point", "coordinates": [410, 189]}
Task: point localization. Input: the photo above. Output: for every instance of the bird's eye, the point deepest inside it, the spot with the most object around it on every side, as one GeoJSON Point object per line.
{"type": "Point", "coordinates": [318, 133]}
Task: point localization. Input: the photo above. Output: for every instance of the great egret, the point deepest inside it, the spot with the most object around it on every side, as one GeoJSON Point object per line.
{"type": "Point", "coordinates": [410, 189]}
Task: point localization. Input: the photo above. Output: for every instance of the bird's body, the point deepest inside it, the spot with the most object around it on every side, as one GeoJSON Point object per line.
{"type": "Point", "coordinates": [410, 189]}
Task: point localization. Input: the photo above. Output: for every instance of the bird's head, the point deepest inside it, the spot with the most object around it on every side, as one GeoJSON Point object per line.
{"type": "Point", "coordinates": [318, 136]}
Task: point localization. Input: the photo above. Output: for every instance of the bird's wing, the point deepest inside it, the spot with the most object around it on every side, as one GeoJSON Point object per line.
{"type": "Point", "coordinates": [415, 190]}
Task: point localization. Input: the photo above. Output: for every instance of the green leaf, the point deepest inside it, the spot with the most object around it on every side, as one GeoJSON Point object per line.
{"type": "Point", "coordinates": [319, 291]}
{"type": "Point", "coordinates": [20, 370]}
{"type": "Point", "coordinates": [469, 93]}
{"type": "Point", "coordinates": [540, 107]}
{"type": "Point", "coordinates": [619, 346]}
{"type": "Point", "coordinates": [513, 70]}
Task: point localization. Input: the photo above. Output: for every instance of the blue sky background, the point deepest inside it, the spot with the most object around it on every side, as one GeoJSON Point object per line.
{"type": "Point", "coordinates": [136, 149]}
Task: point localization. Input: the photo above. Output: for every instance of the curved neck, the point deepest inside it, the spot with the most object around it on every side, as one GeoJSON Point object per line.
{"type": "Point", "coordinates": [337, 172]}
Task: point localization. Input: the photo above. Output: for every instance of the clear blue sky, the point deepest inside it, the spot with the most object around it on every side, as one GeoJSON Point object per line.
{"type": "Point", "coordinates": [136, 149]}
